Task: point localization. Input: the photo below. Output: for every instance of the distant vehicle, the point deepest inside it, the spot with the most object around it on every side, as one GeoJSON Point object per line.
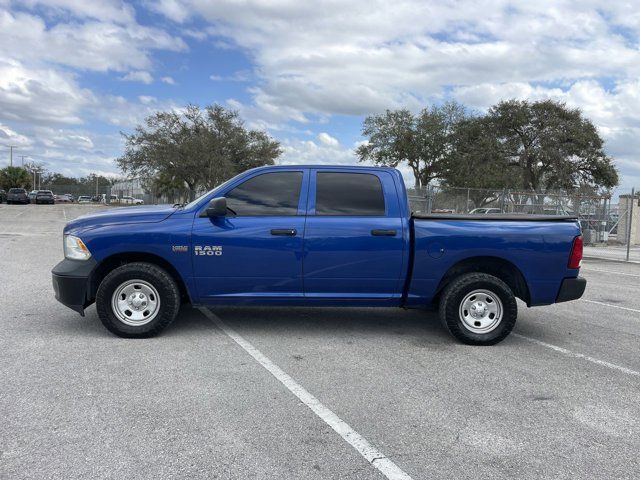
{"type": "Point", "coordinates": [3, 196]}
{"type": "Point", "coordinates": [17, 195]}
{"type": "Point", "coordinates": [45, 197]}
{"type": "Point", "coordinates": [443, 210]}
{"type": "Point", "coordinates": [485, 211]}
{"type": "Point", "coordinates": [32, 196]}
{"type": "Point", "coordinates": [84, 199]}
{"type": "Point", "coordinates": [65, 198]}
{"type": "Point", "coordinates": [128, 200]}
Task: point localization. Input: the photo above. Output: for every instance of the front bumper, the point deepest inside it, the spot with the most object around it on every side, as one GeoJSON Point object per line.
{"type": "Point", "coordinates": [571, 289]}
{"type": "Point", "coordinates": [71, 283]}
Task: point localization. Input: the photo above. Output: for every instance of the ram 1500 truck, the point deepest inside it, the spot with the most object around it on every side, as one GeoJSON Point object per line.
{"type": "Point", "coordinates": [316, 235]}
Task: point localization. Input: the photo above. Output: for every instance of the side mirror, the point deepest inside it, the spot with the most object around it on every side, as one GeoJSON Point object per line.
{"type": "Point", "coordinates": [217, 207]}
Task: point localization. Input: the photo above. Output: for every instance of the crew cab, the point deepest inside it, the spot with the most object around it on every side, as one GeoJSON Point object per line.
{"type": "Point", "coordinates": [316, 235]}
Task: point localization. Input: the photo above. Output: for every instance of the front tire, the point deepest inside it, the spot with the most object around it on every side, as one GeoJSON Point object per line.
{"type": "Point", "coordinates": [478, 309]}
{"type": "Point", "coordinates": [137, 300]}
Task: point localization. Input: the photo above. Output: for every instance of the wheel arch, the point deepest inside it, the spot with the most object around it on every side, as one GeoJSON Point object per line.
{"type": "Point", "coordinates": [501, 268]}
{"type": "Point", "coordinates": [119, 259]}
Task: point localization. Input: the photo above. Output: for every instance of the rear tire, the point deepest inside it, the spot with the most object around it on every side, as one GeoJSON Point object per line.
{"type": "Point", "coordinates": [478, 309]}
{"type": "Point", "coordinates": [137, 300]}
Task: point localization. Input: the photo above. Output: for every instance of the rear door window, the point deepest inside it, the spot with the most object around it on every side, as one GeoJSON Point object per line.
{"type": "Point", "coordinates": [349, 194]}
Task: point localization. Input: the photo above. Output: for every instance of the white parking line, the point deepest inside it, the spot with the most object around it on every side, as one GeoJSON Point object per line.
{"type": "Point", "coordinates": [64, 212]}
{"type": "Point", "coordinates": [570, 353]}
{"type": "Point", "coordinates": [374, 456]}
{"type": "Point", "coordinates": [610, 305]}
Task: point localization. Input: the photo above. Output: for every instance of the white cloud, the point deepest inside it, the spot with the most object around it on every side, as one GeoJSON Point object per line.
{"type": "Point", "coordinates": [11, 137]}
{"type": "Point", "coordinates": [239, 76]}
{"type": "Point", "coordinates": [168, 80]}
{"type": "Point", "coordinates": [105, 10]}
{"type": "Point", "coordinates": [147, 99]}
{"type": "Point", "coordinates": [40, 95]}
{"type": "Point", "coordinates": [329, 57]}
{"type": "Point", "coordinates": [138, 76]}
{"type": "Point", "coordinates": [309, 152]}
{"type": "Point", "coordinates": [92, 45]}
{"type": "Point", "coordinates": [354, 59]}
{"type": "Point", "coordinates": [328, 140]}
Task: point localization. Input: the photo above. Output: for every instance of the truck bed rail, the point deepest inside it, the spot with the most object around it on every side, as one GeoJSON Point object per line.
{"type": "Point", "coordinates": [524, 217]}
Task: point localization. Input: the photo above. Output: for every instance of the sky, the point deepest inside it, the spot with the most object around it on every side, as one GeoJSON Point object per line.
{"type": "Point", "coordinates": [75, 74]}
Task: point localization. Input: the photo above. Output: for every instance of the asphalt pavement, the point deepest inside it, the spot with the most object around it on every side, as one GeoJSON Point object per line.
{"type": "Point", "coordinates": [256, 393]}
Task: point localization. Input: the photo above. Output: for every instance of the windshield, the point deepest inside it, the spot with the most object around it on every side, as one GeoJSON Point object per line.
{"type": "Point", "coordinates": [192, 203]}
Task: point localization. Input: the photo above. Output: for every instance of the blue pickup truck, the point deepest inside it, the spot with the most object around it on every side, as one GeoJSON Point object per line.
{"type": "Point", "coordinates": [316, 235]}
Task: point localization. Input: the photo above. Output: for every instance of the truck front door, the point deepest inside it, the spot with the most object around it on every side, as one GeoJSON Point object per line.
{"type": "Point", "coordinates": [256, 250]}
{"type": "Point", "coordinates": [354, 240]}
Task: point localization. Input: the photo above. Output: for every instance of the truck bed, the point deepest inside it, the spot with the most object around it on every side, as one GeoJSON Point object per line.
{"type": "Point", "coordinates": [513, 217]}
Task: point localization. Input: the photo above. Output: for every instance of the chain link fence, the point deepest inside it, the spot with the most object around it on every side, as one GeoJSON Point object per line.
{"type": "Point", "coordinates": [610, 224]}
{"type": "Point", "coordinates": [90, 193]}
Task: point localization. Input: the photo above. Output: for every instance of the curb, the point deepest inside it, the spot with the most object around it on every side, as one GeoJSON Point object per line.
{"type": "Point", "coordinates": [614, 260]}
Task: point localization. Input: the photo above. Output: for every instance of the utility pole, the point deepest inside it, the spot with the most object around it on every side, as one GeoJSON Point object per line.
{"type": "Point", "coordinates": [11, 147]}
{"type": "Point", "coordinates": [96, 185]}
{"type": "Point", "coordinates": [23, 157]}
{"type": "Point", "coordinates": [630, 220]}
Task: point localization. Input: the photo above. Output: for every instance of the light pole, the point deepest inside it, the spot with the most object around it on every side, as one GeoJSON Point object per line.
{"type": "Point", "coordinates": [23, 157]}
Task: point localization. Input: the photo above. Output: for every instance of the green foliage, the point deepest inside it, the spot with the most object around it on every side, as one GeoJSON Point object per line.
{"type": "Point", "coordinates": [533, 146]}
{"type": "Point", "coordinates": [476, 162]}
{"type": "Point", "coordinates": [58, 179]}
{"type": "Point", "coordinates": [421, 141]}
{"type": "Point", "coordinates": [14, 177]}
{"type": "Point", "coordinates": [197, 149]}
{"type": "Point", "coordinates": [551, 146]}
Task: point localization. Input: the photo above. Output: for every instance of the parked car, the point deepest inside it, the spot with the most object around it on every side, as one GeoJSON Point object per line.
{"type": "Point", "coordinates": [484, 211]}
{"type": "Point", "coordinates": [308, 235]}
{"type": "Point", "coordinates": [17, 195]}
{"type": "Point", "coordinates": [32, 196]}
{"type": "Point", "coordinates": [65, 198]}
{"type": "Point", "coordinates": [3, 196]}
{"type": "Point", "coordinates": [128, 200]}
{"type": "Point", "coordinates": [45, 197]}
{"type": "Point", "coordinates": [84, 199]}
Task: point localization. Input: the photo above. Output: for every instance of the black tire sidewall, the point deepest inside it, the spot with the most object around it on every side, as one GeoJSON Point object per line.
{"type": "Point", "coordinates": [161, 281]}
{"type": "Point", "coordinates": [456, 292]}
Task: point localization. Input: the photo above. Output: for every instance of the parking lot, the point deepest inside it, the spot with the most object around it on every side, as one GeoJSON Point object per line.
{"type": "Point", "coordinates": [295, 393]}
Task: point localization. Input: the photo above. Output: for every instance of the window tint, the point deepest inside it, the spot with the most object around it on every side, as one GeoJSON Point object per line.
{"type": "Point", "coordinates": [267, 194]}
{"type": "Point", "coordinates": [17, 190]}
{"type": "Point", "coordinates": [355, 194]}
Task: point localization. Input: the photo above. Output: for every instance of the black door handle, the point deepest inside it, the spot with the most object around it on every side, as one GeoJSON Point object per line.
{"type": "Point", "coordinates": [286, 232]}
{"type": "Point", "coordinates": [383, 233]}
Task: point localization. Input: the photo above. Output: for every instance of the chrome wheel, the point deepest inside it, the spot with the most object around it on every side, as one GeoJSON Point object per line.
{"type": "Point", "coordinates": [481, 311]}
{"type": "Point", "coordinates": [135, 302]}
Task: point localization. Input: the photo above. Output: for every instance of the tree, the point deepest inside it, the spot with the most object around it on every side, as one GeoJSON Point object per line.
{"type": "Point", "coordinates": [14, 177]}
{"type": "Point", "coordinates": [477, 162]}
{"type": "Point", "coordinates": [199, 148]}
{"type": "Point", "coordinates": [551, 145]}
{"type": "Point", "coordinates": [421, 141]}
{"type": "Point", "coordinates": [58, 179]}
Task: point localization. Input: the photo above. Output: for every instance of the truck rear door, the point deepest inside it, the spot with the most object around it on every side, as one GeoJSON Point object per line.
{"type": "Point", "coordinates": [354, 240]}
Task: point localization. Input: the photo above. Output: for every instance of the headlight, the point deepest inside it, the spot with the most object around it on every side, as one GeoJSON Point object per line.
{"type": "Point", "coordinates": [75, 249]}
